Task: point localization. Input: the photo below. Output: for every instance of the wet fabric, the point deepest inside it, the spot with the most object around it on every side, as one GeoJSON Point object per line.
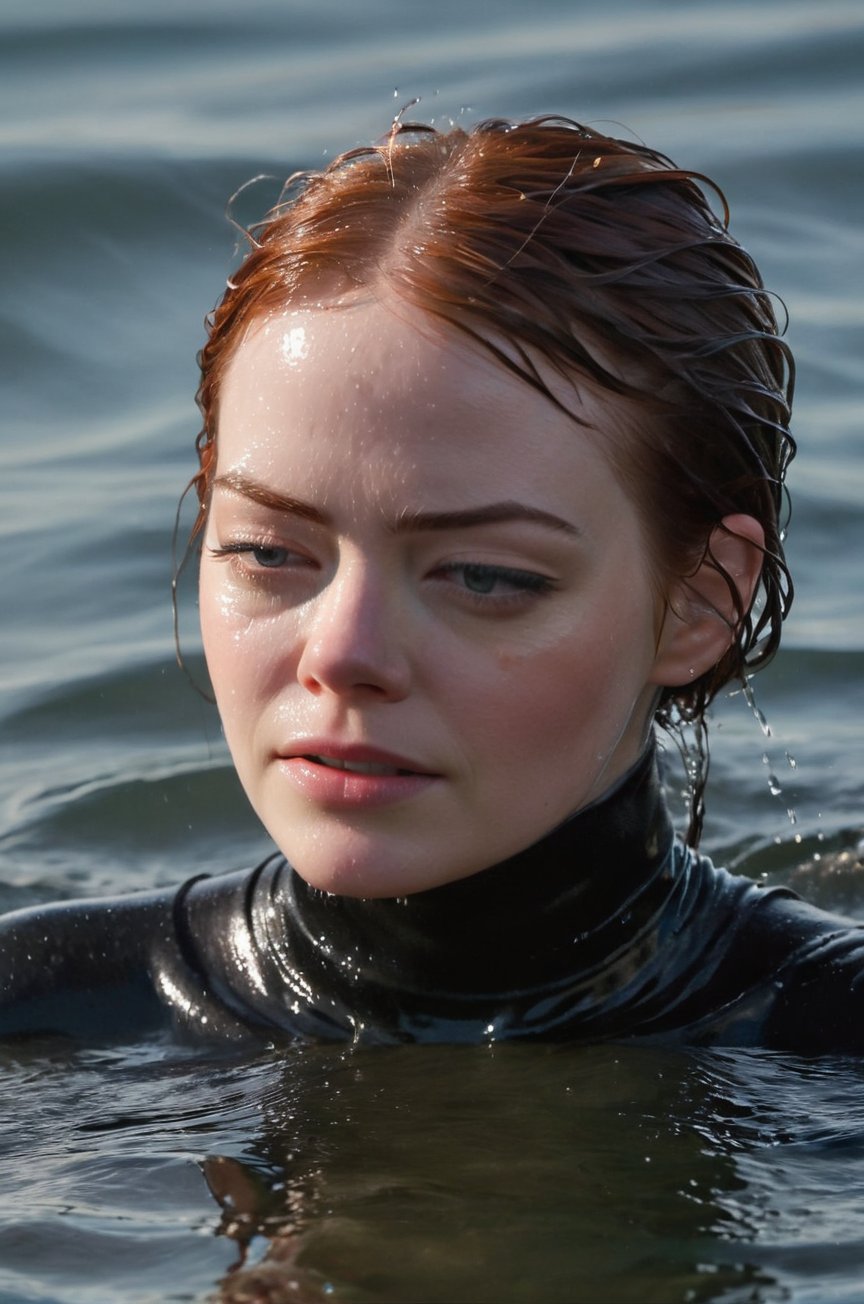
{"type": "Point", "coordinates": [606, 928]}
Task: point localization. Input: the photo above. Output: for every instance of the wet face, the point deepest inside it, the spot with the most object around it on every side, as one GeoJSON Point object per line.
{"type": "Point", "coordinates": [425, 600]}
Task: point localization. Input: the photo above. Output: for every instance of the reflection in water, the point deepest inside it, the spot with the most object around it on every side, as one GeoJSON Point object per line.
{"type": "Point", "coordinates": [430, 1175]}
{"type": "Point", "coordinates": [511, 1174]}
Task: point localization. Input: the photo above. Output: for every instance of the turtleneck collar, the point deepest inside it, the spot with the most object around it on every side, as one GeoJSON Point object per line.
{"type": "Point", "coordinates": [564, 906]}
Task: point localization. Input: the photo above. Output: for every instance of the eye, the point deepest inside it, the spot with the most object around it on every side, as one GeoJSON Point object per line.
{"type": "Point", "coordinates": [488, 579]}
{"type": "Point", "coordinates": [496, 582]}
{"type": "Point", "coordinates": [269, 557]}
{"type": "Point", "coordinates": [480, 579]}
{"type": "Point", "coordinates": [264, 556]}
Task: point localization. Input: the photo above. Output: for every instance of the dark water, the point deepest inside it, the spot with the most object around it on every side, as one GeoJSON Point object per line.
{"type": "Point", "coordinates": [502, 1174]}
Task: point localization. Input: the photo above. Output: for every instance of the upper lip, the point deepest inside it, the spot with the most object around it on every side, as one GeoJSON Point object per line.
{"type": "Point", "coordinates": [341, 751]}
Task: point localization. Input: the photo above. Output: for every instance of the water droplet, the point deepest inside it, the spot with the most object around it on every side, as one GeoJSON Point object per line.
{"type": "Point", "coordinates": [759, 715]}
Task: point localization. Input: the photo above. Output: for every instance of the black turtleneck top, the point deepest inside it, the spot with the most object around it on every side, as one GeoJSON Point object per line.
{"type": "Point", "coordinates": [606, 928]}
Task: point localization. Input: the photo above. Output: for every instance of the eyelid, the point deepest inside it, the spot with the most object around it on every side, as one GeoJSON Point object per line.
{"type": "Point", "coordinates": [238, 520]}
{"type": "Point", "coordinates": [501, 569]}
{"type": "Point", "coordinates": [239, 535]}
{"type": "Point", "coordinates": [238, 549]}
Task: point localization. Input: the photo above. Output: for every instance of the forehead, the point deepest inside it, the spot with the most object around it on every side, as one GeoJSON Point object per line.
{"type": "Point", "coordinates": [366, 388]}
{"type": "Point", "coordinates": [369, 354]}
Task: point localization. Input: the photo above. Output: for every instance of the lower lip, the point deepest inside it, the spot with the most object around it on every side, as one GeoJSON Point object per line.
{"type": "Point", "coordinates": [327, 786]}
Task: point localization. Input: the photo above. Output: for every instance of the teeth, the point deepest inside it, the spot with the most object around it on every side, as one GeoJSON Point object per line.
{"type": "Point", "coordinates": [357, 767]}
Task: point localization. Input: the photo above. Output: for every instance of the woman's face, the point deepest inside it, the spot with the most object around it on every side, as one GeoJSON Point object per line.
{"type": "Point", "coordinates": [425, 600]}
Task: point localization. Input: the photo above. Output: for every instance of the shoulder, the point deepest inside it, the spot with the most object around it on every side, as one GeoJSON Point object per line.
{"type": "Point", "coordinates": [819, 990]}
{"type": "Point", "coordinates": [780, 973]}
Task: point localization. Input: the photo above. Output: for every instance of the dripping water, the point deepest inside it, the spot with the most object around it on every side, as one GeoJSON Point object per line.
{"type": "Point", "coordinates": [775, 787]}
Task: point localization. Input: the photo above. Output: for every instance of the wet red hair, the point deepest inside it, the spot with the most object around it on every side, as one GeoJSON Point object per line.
{"type": "Point", "coordinates": [594, 254]}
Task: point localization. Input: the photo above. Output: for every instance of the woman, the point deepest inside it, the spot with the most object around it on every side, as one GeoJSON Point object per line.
{"type": "Point", "coordinates": [495, 434]}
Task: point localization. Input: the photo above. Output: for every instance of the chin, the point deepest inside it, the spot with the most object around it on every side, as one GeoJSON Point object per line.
{"type": "Point", "coordinates": [365, 869]}
{"type": "Point", "coordinates": [354, 878]}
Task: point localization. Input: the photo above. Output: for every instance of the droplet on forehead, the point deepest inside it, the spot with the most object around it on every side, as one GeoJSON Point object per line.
{"type": "Point", "coordinates": [295, 346]}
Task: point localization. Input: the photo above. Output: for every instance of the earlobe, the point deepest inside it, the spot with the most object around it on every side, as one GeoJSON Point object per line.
{"type": "Point", "coordinates": [700, 621]}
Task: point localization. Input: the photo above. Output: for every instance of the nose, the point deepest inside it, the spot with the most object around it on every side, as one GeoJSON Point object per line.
{"type": "Point", "coordinates": [354, 644]}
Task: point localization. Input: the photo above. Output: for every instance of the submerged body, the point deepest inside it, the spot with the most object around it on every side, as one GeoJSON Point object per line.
{"type": "Point", "coordinates": [607, 928]}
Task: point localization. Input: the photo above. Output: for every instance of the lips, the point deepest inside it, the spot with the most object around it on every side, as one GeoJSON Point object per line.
{"type": "Point", "coordinates": [354, 758]}
{"type": "Point", "coordinates": [340, 776]}
{"type": "Point", "coordinates": [359, 767]}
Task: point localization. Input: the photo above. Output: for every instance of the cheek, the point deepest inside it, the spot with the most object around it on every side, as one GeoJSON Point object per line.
{"type": "Point", "coordinates": [245, 657]}
{"type": "Point", "coordinates": [531, 700]}
{"type": "Point", "coordinates": [219, 633]}
{"type": "Point", "coordinates": [579, 688]}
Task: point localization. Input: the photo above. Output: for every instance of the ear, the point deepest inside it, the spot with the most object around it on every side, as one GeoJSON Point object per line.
{"type": "Point", "coordinates": [699, 622]}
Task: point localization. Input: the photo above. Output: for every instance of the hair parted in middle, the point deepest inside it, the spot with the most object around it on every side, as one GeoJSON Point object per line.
{"type": "Point", "coordinates": [550, 243]}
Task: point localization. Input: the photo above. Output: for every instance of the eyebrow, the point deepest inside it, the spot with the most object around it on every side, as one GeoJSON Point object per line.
{"type": "Point", "coordinates": [407, 522]}
{"type": "Point", "coordinates": [241, 484]}
{"type": "Point", "coordinates": [490, 514]}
